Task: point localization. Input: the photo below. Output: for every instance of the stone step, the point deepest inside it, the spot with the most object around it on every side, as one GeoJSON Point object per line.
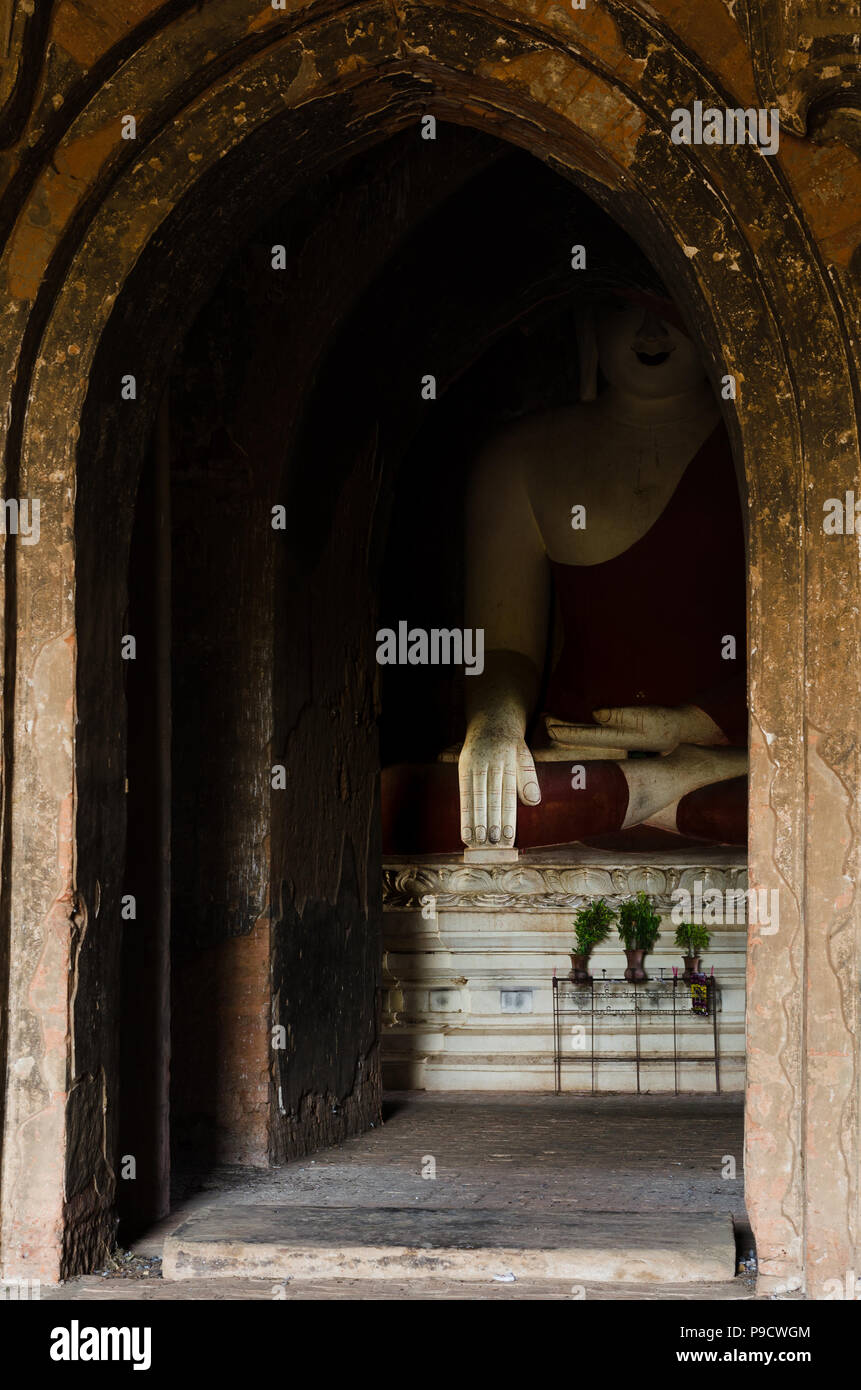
{"type": "Point", "coordinates": [280, 1241]}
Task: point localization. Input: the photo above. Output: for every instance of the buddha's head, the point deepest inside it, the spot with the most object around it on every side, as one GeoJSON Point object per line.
{"type": "Point", "coordinates": [642, 353]}
{"type": "Point", "coordinates": [639, 341]}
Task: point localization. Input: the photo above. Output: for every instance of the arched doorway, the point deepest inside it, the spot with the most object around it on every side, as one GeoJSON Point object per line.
{"type": "Point", "coordinates": [596, 105]}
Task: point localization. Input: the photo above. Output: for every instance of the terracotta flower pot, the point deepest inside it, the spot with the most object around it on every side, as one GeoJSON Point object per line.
{"type": "Point", "coordinates": [692, 967]}
{"type": "Point", "coordinates": [580, 970]}
{"type": "Point", "coordinates": [635, 971]}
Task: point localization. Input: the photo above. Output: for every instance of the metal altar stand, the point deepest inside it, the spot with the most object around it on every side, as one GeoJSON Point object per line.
{"type": "Point", "coordinates": [617, 998]}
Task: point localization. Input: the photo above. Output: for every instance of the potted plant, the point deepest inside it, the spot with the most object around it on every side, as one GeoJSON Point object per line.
{"type": "Point", "coordinates": [639, 929]}
{"type": "Point", "coordinates": [591, 927]}
{"type": "Point", "coordinates": [692, 940]}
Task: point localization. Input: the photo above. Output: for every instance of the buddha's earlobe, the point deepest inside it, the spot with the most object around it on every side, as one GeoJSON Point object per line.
{"type": "Point", "coordinates": [587, 350]}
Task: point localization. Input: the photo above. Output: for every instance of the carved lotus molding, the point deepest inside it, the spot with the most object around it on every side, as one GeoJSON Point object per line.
{"type": "Point", "coordinates": [805, 53]}
{"type": "Point", "coordinates": [542, 889]}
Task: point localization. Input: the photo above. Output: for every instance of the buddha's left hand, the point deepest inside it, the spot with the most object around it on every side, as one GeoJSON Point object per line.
{"type": "Point", "coordinates": [647, 728]}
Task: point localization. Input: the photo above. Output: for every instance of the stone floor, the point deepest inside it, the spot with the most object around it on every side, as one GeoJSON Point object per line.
{"type": "Point", "coordinates": [518, 1153]}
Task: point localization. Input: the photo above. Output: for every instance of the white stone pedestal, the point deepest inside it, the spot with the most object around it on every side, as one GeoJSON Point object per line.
{"type": "Point", "coordinates": [469, 955]}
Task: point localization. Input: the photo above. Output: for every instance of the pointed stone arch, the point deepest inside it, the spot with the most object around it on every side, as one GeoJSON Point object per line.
{"type": "Point", "coordinates": [104, 229]}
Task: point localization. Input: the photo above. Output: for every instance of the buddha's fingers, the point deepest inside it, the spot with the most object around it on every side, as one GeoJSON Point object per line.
{"type": "Point", "coordinates": [467, 822]}
{"type": "Point", "coordinates": [494, 802]}
{"type": "Point", "coordinates": [527, 778]}
{"type": "Point", "coordinates": [618, 734]}
{"type": "Point", "coordinates": [509, 801]}
{"type": "Point", "coordinates": [647, 728]}
{"type": "Point", "coordinates": [479, 804]}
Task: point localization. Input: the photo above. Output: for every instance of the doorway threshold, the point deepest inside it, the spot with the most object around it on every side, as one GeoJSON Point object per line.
{"type": "Point", "coordinates": [270, 1241]}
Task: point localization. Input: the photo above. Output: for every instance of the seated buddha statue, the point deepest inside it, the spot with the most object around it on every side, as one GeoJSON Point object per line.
{"type": "Point", "coordinates": [606, 564]}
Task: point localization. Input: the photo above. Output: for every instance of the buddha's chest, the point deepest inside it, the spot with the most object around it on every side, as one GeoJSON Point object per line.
{"type": "Point", "coordinates": [598, 500]}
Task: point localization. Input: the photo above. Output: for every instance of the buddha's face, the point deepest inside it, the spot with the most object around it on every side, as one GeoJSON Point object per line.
{"type": "Point", "coordinates": [642, 354]}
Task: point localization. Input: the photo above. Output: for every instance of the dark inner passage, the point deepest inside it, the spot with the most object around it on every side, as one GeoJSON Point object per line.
{"type": "Point", "coordinates": [253, 845]}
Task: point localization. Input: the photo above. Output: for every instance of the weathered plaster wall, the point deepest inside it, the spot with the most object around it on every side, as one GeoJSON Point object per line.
{"type": "Point", "coordinates": [227, 94]}
{"type": "Point", "coordinates": [221, 649]}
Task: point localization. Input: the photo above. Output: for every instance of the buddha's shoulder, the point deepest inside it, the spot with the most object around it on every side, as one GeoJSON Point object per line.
{"type": "Point", "coordinates": [543, 433]}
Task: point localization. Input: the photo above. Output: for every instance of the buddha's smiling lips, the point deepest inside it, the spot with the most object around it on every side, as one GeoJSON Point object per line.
{"type": "Point", "coordinates": [652, 359]}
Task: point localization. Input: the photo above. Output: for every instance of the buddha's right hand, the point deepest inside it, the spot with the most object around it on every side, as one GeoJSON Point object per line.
{"type": "Point", "coordinates": [495, 768]}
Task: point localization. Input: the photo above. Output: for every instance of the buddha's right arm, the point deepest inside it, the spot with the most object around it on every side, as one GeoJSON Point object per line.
{"type": "Point", "coordinates": [507, 595]}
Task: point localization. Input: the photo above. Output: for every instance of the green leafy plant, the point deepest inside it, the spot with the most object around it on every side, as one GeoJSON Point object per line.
{"type": "Point", "coordinates": [592, 926]}
{"type": "Point", "coordinates": [692, 939]}
{"type": "Point", "coordinates": [639, 924]}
